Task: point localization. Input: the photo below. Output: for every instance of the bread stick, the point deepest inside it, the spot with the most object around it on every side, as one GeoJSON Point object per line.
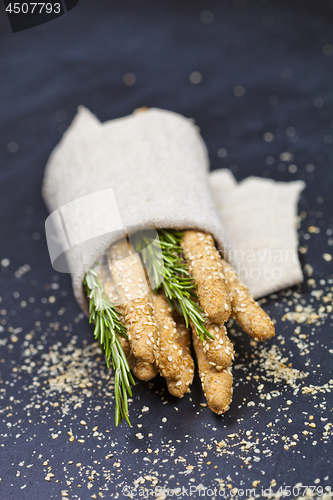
{"type": "Point", "coordinates": [204, 263]}
{"type": "Point", "coordinates": [220, 352]}
{"type": "Point", "coordinates": [169, 353]}
{"type": "Point", "coordinates": [179, 386]}
{"type": "Point", "coordinates": [217, 385]}
{"type": "Point", "coordinates": [245, 310]}
{"type": "Point", "coordinates": [141, 369]}
{"type": "Point", "coordinates": [128, 275]}
{"type": "Point", "coordinates": [174, 358]}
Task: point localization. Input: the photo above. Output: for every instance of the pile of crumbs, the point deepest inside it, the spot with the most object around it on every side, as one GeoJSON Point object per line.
{"type": "Point", "coordinates": [278, 368]}
{"type": "Point", "coordinates": [306, 314]}
{"type": "Point", "coordinates": [321, 302]}
{"type": "Point", "coordinates": [71, 372]}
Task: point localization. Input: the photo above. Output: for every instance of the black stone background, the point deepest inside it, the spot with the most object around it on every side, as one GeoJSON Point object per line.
{"type": "Point", "coordinates": [81, 58]}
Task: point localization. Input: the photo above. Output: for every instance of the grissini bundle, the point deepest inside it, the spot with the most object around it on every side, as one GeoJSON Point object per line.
{"type": "Point", "coordinates": [146, 171]}
{"type": "Point", "coordinates": [171, 352]}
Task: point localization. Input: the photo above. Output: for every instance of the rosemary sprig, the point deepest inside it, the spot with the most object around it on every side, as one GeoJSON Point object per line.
{"type": "Point", "coordinates": [166, 268]}
{"type": "Point", "coordinates": [107, 329]}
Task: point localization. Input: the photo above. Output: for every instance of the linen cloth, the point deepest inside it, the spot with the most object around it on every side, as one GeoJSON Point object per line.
{"type": "Point", "coordinates": [150, 170]}
{"type": "Point", "coordinates": [260, 220]}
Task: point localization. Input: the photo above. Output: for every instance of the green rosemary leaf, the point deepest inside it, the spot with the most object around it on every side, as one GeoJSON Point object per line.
{"type": "Point", "coordinates": [107, 329]}
{"type": "Point", "coordinates": [165, 265]}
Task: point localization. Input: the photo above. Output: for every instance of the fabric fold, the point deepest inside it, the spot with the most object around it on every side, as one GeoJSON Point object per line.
{"type": "Point", "coordinates": [154, 165]}
{"type": "Point", "coordinates": [259, 217]}
{"type": "Point", "coordinates": [149, 170]}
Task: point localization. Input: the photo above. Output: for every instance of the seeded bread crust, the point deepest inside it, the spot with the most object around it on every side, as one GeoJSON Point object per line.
{"type": "Point", "coordinates": [245, 310]}
{"type": "Point", "coordinates": [141, 369]}
{"type": "Point", "coordinates": [179, 387]}
{"type": "Point", "coordinates": [220, 351]}
{"type": "Point", "coordinates": [173, 359]}
{"type": "Point", "coordinates": [204, 263]}
{"type": "Point", "coordinates": [129, 278]}
{"type": "Point", "coordinates": [217, 385]}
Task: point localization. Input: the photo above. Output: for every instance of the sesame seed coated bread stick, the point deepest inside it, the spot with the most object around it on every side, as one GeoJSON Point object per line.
{"type": "Point", "coordinates": [220, 352]}
{"type": "Point", "coordinates": [245, 310]}
{"type": "Point", "coordinates": [169, 352]}
{"type": "Point", "coordinates": [204, 263]}
{"type": "Point", "coordinates": [180, 385]}
{"type": "Point", "coordinates": [141, 369]}
{"type": "Point", "coordinates": [217, 385]}
{"type": "Point", "coordinates": [174, 358]}
{"type": "Point", "coordinates": [129, 278]}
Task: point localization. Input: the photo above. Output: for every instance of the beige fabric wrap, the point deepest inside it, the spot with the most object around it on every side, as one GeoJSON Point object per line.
{"type": "Point", "coordinates": [259, 217]}
{"type": "Point", "coordinates": [156, 164]}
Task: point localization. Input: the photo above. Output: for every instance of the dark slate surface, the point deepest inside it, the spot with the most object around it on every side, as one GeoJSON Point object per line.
{"type": "Point", "coordinates": [270, 48]}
